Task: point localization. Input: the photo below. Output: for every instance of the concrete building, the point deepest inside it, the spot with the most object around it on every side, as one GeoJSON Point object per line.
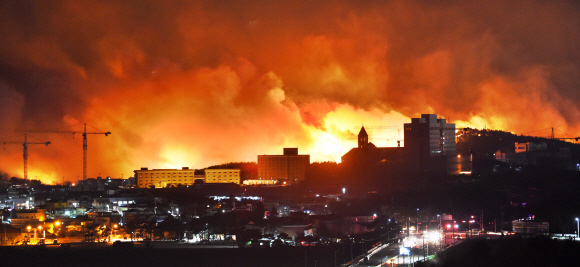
{"type": "Point", "coordinates": [530, 146]}
{"type": "Point", "coordinates": [430, 142]}
{"type": "Point", "coordinates": [162, 178]}
{"type": "Point", "coordinates": [287, 169]}
{"type": "Point", "coordinates": [538, 154]}
{"type": "Point", "coordinates": [222, 176]}
{"type": "Point", "coordinates": [530, 226]}
{"type": "Point", "coordinates": [430, 136]}
{"type": "Point", "coordinates": [22, 217]}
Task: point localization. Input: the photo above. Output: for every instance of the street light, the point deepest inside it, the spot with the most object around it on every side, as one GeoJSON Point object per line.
{"type": "Point", "coordinates": [43, 233]}
{"type": "Point", "coordinates": [115, 229]}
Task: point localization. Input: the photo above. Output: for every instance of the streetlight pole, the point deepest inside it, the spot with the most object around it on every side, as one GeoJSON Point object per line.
{"type": "Point", "coordinates": [417, 221]}
{"type": "Point", "coordinates": [578, 225]}
{"type": "Point", "coordinates": [469, 226]}
{"type": "Point", "coordinates": [454, 227]}
{"type": "Point", "coordinates": [424, 247]}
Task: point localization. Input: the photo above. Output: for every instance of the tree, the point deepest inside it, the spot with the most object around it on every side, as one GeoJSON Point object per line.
{"type": "Point", "coordinates": [260, 210]}
{"type": "Point", "coordinates": [172, 225]}
{"type": "Point", "coordinates": [273, 212]}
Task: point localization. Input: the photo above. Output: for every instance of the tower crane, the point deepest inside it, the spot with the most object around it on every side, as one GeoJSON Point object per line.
{"type": "Point", "coordinates": [25, 153]}
{"type": "Point", "coordinates": [85, 133]}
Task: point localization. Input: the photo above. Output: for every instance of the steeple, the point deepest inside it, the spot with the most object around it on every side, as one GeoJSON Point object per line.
{"type": "Point", "coordinates": [363, 138]}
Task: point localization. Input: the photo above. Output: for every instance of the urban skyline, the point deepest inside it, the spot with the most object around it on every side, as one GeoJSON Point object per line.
{"type": "Point", "coordinates": [204, 83]}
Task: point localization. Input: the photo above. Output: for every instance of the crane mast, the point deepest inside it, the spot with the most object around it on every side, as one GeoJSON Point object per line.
{"type": "Point", "coordinates": [25, 151]}
{"type": "Point", "coordinates": [85, 133]}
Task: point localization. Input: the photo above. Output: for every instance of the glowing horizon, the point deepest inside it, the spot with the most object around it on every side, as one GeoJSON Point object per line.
{"type": "Point", "coordinates": [202, 83]}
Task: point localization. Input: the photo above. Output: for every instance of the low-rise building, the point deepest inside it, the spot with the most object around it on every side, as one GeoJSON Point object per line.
{"type": "Point", "coordinates": [163, 178]}
{"type": "Point", "coordinates": [530, 226]}
{"type": "Point", "coordinates": [222, 176]}
{"type": "Point", "coordinates": [22, 217]}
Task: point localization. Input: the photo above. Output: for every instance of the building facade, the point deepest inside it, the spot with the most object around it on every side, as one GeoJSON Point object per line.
{"type": "Point", "coordinates": [162, 178]}
{"type": "Point", "coordinates": [430, 136]}
{"type": "Point", "coordinates": [430, 142]}
{"type": "Point", "coordinates": [222, 176]}
{"type": "Point", "coordinates": [287, 169]}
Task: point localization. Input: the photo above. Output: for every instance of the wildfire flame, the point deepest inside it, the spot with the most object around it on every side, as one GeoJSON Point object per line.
{"type": "Point", "coordinates": [194, 84]}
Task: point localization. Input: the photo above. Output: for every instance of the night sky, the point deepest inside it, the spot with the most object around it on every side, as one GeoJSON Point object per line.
{"type": "Point", "coordinates": [198, 83]}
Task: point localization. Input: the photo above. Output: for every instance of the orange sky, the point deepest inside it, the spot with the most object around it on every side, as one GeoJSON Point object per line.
{"type": "Point", "coordinates": [198, 83]}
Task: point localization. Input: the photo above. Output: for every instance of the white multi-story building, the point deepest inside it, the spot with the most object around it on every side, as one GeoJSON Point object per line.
{"type": "Point", "coordinates": [430, 143]}
{"type": "Point", "coordinates": [431, 136]}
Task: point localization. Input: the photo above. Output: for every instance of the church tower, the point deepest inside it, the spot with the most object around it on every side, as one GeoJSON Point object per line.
{"type": "Point", "coordinates": [363, 138]}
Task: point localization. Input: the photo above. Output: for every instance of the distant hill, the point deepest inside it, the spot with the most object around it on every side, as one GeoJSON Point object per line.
{"type": "Point", "coordinates": [484, 143]}
{"type": "Point", "coordinates": [248, 170]}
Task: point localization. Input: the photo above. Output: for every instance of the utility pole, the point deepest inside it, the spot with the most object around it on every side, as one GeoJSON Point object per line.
{"type": "Point", "coordinates": [481, 222]}
{"type": "Point", "coordinates": [501, 226]}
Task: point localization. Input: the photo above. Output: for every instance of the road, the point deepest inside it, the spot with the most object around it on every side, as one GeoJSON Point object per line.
{"type": "Point", "coordinates": [389, 256]}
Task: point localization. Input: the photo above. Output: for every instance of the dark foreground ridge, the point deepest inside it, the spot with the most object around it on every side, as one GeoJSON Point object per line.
{"type": "Point", "coordinates": [104, 255]}
{"type": "Point", "coordinates": [513, 251]}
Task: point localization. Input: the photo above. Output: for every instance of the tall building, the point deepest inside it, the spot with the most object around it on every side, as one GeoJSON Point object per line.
{"type": "Point", "coordinates": [430, 136]}
{"type": "Point", "coordinates": [430, 141]}
{"type": "Point", "coordinates": [286, 169]}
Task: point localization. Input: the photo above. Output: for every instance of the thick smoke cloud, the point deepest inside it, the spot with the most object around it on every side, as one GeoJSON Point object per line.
{"type": "Point", "coordinates": [196, 83]}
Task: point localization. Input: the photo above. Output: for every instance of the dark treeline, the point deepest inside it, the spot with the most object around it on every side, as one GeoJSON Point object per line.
{"type": "Point", "coordinates": [508, 252]}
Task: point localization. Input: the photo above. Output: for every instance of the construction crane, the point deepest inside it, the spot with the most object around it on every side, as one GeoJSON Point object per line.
{"type": "Point", "coordinates": [552, 136]}
{"type": "Point", "coordinates": [25, 153]}
{"type": "Point", "coordinates": [85, 133]}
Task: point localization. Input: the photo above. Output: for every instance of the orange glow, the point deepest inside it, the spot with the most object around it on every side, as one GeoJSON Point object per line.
{"type": "Point", "coordinates": [203, 85]}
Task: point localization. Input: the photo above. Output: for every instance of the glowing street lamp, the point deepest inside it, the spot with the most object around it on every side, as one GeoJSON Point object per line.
{"type": "Point", "coordinates": [114, 229]}
{"type": "Point", "coordinates": [43, 232]}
